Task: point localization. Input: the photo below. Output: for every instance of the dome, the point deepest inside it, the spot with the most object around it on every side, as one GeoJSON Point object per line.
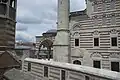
{"type": "Point", "coordinates": [52, 31]}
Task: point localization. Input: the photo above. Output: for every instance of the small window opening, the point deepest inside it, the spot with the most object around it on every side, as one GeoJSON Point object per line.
{"type": "Point", "coordinates": [115, 66]}
{"type": "Point", "coordinates": [12, 3]}
{"type": "Point", "coordinates": [87, 78]}
{"type": "Point", "coordinates": [96, 41]}
{"type": "Point", "coordinates": [76, 42]}
{"type": "Point", "coordinates": [29, 66]}
{"type": "Point", "coordinates": [114, 41]}
{"type": "Point", "coordinates": [77, 62]}
{"type": "Point", "coordinates": [45, 71]}
{"type": "Point", "coordinates": [62, 74]}
{"type": "Point", "coordinates": [96, 64]}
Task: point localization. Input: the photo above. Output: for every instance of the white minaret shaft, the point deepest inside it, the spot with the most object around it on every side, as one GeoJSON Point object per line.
{"type": "Point", "coordinates": [63, 14]}
{"type": "Point", "coordinates": [61, 48]}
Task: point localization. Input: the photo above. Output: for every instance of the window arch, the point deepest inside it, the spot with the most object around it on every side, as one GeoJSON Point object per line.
{"type": "Point", "coordinates": [76, 34]}
{"type": "Point", "coordinates": [77, 62]}
{"type": "Point", "coordinates": [96, 32]}
{"type": "Point", "coordinates": [96, 55]}
{"type": "Point", "coordinates": [47, 45]}
{"type": "Point", "coordinates": [76, 27]}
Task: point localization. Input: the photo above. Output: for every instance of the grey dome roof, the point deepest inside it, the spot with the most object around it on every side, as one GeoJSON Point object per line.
{"type": "Point", "coordinates": [52, 31]}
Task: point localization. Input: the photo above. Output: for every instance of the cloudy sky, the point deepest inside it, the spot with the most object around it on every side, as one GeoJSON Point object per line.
{"type": "Point", "coordinates": [37, 16]}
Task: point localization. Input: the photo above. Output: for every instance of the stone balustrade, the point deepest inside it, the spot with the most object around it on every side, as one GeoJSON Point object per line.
{"type": "Point", "coordinates": [51, 70]}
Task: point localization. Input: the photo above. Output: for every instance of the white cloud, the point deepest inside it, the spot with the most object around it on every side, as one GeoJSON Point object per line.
{"type": "Point", "coordinates": [37, 16]}
{"type": "Point", "coordinates": [77, 5]}
{"type": "Point", "coordinates": [21, 27]}
{"type": "Point", "coordinates": [23, 36]}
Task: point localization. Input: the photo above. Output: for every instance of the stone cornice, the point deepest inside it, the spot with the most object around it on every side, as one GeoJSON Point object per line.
{"type": "Point", "coordinates": [107, 11]}
{"type": "Point", "coordinates": [106, 15]}
{"type": "Point", "coordinates": [60, 45]}
{"type": "Point", "coordinates": [102, 1]}
{"type": "Point", "coordinates": [66, 30]}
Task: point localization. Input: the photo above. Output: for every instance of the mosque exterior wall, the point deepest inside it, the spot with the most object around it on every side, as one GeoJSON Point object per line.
{"type": "Point", "coordinates": [104, 24]}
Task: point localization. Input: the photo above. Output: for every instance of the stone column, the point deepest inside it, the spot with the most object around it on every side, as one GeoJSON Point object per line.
{"type": "Point", "coordinates": [61, 46]}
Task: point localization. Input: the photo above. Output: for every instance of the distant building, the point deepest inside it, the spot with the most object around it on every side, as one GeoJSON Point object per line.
{"type": "Point", "coordinates": [7, 24]}
{"type": "Point", "coordinates": [25, 49]}
{"type": "Point", "coordinates": [50, 35]}
{"type": "Point", "coordinates": [43, 41]}
{"type": "Point", "coordinates": [22, 51]}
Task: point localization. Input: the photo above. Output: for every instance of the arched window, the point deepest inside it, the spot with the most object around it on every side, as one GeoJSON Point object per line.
{"type": "Point", "coordinates": [114, 38]}
{"type": "Point", "coordinates": [76, 27]}
{"type": "Point", "coordinates": [96, 38]}
{"type": "Point", "coordinates": [45, 46]}
{"type": "Point", "coordinates": [12, 3]}
{"type": "Point", "coordinates": [77, 62]}
{"type": "Point", "coordinates": [76, 37]}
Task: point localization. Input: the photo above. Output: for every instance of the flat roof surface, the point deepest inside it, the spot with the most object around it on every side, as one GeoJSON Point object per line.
{"type": "Point", "coordinates": [15, 74]}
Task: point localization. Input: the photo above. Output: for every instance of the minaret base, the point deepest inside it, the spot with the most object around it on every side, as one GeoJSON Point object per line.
{"type": "Point", "coordinates": [59, 56]}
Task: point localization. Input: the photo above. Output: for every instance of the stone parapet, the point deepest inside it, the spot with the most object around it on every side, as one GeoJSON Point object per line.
{"type": "Point", "coordinates": [58, 70]}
